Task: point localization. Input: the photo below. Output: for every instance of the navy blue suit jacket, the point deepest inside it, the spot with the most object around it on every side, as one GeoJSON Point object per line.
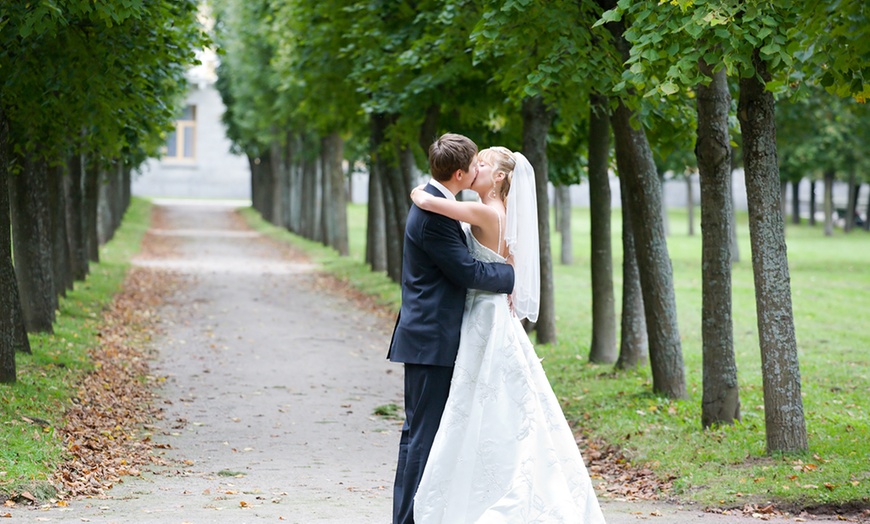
{"type": "Point", "coordinates": [437, 271]}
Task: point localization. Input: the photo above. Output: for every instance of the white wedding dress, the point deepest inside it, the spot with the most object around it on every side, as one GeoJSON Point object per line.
{"type": "Point", "coordinates": [504, 453]}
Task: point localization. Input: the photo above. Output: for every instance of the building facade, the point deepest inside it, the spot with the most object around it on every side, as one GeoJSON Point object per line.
{"type": "Point", "coordinates": [196, 161]}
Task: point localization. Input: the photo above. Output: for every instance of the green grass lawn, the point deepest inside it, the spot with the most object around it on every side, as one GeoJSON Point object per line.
{"type": "Point", "coordinates": [830, 280]}
{"type": "Point", "coordinates": [34, 406]}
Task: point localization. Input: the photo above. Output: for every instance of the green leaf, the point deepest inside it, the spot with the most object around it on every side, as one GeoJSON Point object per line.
{"type": "Point", "coordinates": [669, 88]}
{"type": "Point", "coordinates": [613, 15]}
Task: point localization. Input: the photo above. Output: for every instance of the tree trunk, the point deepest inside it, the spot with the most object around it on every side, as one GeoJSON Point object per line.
{"type": "Point", "coordinates": [783, 193]}
{"type": "Point", "coordinates": [252, 165]}
{"type": "Point", "coordinates": [75, 217]}
{"type": "Point", "coordinates": [278, 183]}
{"type": "Point", "coordinates": [690, 204]}
{"type": "Point", "coordinates": [666, 220]}
{"type": "Point", "coordinates": [783, 406]}
{"type": "Point", "coordinates": [376, 230]}
{"type": "Point", "coordinates": [394, 191]}
{"type": "Point", "coordinates": [117, 201]}
{"type": "Point", "coordinates": [429, 128]}
{"type": "Point", "coordinates": [327, 219]}
{"type": "Point", "coordinates": [852, 203]}
{"type": "Point", "coordinates": [11, 322]}
{"type": "Point", "coordinates": [311, 174]}
{"type": "Point", "coordinates": [795, 202]}
{"type": "Point", "coordinates": [735, 247]}
{"type": "Point", "coordinates": [721, 398]}
{"type": "Point", "coordinates": [635, 162]}
{"type": "Point", "coordinates": [536, 124]}
{"type": "Point", "coordinates": [395, 223]}
{"type": "Point", "coordinates": [334, 147]}
{"type": "Point", "coordinates": [286, 198]}
{"type": "Point", "coordinates": [32, 236]}
{"type": "Point", "coordinates": [13, 336]}
{"type": "Point", "coordinates": [104, 206]}
{"type": "Point", "coordinates": [867, 213]}
{"type": "Point", "coordinates": [267, 185]}
{"type": "Point", "coordinates": [633, 347]}
{"type": "Point", "coordinates": [603, 347]}
{"type": "Point", "coordinates": [91, 209]}
{"type": "Point", "coordinates": [829, 202]}
{"type": "Point", "coordinates": [61, 257]}
{"type": "Point", "coordinates": [126, 190]}
{"type": "Point", "coordinates": [812, 201]}
{"type": "Point", "coordinates": [564, 222]}
{"type": "Point", "coordinates": [294, 171]}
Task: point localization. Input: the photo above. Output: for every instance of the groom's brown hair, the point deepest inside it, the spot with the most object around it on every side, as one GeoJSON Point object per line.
{"type": "Point", "coordinates": [449, 153]}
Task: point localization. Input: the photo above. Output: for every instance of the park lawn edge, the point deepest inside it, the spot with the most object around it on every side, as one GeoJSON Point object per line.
{"type": "Point", "coordinates": [622, 410]}
{"type": "Point", "coordinates": [32, 409]}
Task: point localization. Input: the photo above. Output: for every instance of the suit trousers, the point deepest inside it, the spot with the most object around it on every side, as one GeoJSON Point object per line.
{"type": "Point", "coordinates": [426, 390]}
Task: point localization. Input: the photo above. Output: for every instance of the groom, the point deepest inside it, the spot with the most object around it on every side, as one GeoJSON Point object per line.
{"type": "Point", "coordinates": [437, 270]}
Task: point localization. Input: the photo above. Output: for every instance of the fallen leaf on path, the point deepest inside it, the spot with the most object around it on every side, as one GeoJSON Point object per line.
{"type": "Point", "coordinates": [102, 429]}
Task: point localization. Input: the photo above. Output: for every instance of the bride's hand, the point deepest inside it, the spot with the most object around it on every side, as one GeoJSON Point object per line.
{"type": "Point", "coordinates": [420, 197]}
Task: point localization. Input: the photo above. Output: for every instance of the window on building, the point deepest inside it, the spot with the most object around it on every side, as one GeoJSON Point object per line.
{"type": "Point", "coordinates": [181, 143]}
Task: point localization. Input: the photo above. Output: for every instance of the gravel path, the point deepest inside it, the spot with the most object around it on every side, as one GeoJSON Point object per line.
{"type": "Point", "coordinates": [271, 382]}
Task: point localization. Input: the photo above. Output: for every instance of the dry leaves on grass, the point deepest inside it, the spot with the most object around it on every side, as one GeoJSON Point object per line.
{"type": "Point", "coordinates": [616, 476]}
{"type": "Point", "coordinates": [102, 430]}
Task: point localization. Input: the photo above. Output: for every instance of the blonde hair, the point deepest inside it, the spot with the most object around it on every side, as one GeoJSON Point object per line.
{"type": "Point", "coordinates": [502, 161]}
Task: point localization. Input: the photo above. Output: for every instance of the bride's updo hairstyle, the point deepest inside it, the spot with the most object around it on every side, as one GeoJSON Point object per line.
{"type": "Point", "coordinates": [502, 160]}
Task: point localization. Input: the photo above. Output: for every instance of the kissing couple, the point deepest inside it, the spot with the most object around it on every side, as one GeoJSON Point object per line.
{"type": "Point", "coordinates": [484, 438]}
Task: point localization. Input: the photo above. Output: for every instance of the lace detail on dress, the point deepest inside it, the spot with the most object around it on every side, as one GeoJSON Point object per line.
{"type": "Point", "coordinates": [503, 453]}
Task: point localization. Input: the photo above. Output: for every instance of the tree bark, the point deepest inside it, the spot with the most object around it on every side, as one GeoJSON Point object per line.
{"type": "Point", "coordinates": [91, 209]}
{"type": "Point", "coordinates": [564, 221]}
{"type": "Point", "coordinates": [294, 170]}
{"type": "Point", "coordinates": [32, 236]}
{"type": "Point", "coordinates": [690, 204]}
{"type": "Point", "coordinates": [252, 165]}
{"type": "Point", "coordinates": [429, 128]}
{"type": "Point", "coordinates": [13, 336]}
{"type": "Point", "coordinates": [795, 202]}
{"type": "Point", "coordinates": [327, 219]}
{"type": "Point", "coordinates": [105, 207]}
{"type": "Point", "coordinates": [735, 247]}
{"type": "Point", "coordinates": [10, 322]}
{"type": "Point", "coordinates": [312, 173]}
{"type": "Point", "coordinates": [126, 190]}
{"type": "Point", "coordinates": [278, 183]}
{"type": "Point", "coordinates": [266, 185]}
{"type": "Point", "coordinates": [334, 145]}
{"type": "Point", "coordinates": [721, 399]}
{"type": "Point", "coordinates": [867, 213]}
{"type": "Point", "coordinates": [603, 347]}
{"type": "Point", "coordinates": [536, 124]}
{"type": "Point", "coordinates": [783, 192]}
{"type": "Point", "coordinates": [61, 256]}
{"type": "Point", "coordinates": [829, 202]}
{"type": "Point", "coordinates": [635, 162]}
{"type": "Point", "coordinates": [633, 347]}
{"type": "Point", "coordinates": [783, 406]}
{"type": "Point", "coordinates": [852, 203]}
{"type": "Point", "coordinates": [812, 201]}
{"type": "Point", "coordinates": [75, 217]}
{"type": "Point", "coordinates": [391, 176]}
{"type": "Point", "coordinates": [376, 230]}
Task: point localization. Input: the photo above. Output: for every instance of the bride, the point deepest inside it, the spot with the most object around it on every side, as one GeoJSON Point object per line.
{"type": "Point", "coordinates": [504, 452]}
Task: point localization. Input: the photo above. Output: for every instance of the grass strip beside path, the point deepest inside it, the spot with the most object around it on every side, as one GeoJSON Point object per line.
{"type": "Point", "coordinates": [32, 410]}
{"type": "Point", "coordinates": [724, 467]}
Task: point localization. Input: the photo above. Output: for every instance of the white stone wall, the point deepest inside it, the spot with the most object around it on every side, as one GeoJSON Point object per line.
{"type": "Point", "coordinates": [215, 173]}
